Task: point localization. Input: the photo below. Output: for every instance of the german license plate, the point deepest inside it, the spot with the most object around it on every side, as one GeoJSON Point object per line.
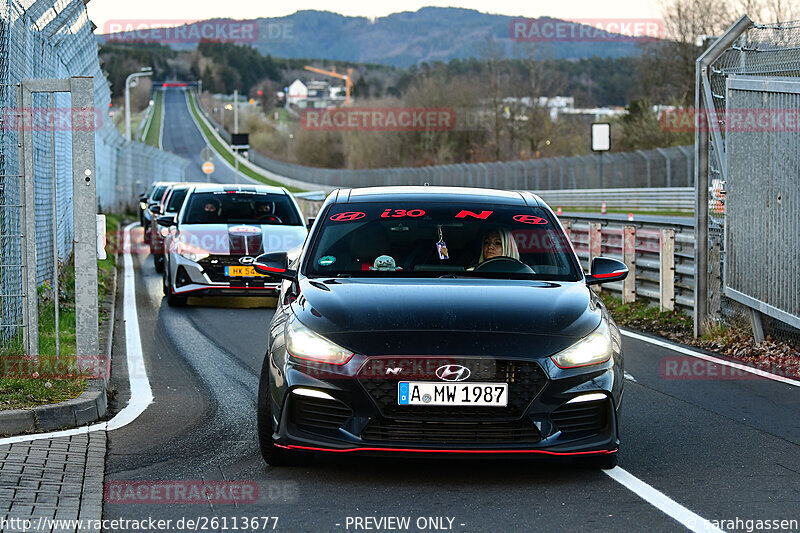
{"type": "Point", "coordinates": [438, 393]}
{"type": "Point", "coordinates": [241, 271]}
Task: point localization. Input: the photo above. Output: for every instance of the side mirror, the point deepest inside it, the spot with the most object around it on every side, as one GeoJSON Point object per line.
{"type": "Point", "coordinates": [275, 264]}
{"type": "Point", "coordinates": [605, 269]}
{"type": "Point", "coordinates": [166, 221]}
{"type": "Point", "coordinates": [154, 207]}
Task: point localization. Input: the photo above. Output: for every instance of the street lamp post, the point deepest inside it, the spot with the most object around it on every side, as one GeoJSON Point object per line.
{"type": "Point", "coordinates": [146, 71]}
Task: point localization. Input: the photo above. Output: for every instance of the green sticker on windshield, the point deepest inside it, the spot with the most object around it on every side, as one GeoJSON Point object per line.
{"type": "Point", "coordinates": [328, 260]}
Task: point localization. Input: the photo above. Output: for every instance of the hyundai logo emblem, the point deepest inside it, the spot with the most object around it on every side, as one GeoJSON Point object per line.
{"type": "Point", "coordinates": [452, 373]}
{"type": "Point", "coordinates": [246, 260]}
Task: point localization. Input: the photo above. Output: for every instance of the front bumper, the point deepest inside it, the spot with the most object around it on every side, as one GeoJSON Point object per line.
{"type": "Point", "coordinates": [344, 416]}
{"type": "Point", "coordinates": [191, 278]}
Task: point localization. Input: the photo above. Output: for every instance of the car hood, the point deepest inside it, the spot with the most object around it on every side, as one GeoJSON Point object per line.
{"type": "Point", "coordinates": [241, 239]}
{"type": "Point", "coordinates": [453, 316]}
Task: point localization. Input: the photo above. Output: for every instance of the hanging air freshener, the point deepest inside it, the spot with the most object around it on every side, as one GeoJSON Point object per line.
{"type": "Point", "coordinates": [441, 246]}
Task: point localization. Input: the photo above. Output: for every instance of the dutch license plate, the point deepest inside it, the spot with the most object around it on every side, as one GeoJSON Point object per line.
{"type": "Point", "coordinates": [241, 271]}
{"type": "Point", "coordinates": [438, 393]}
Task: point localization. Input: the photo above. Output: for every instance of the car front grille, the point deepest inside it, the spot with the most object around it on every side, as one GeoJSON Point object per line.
{"type": "Point", "coordinates": [525, 379]}
{"type": "Point", "coordinates": [588, 418]}
{"type": "Point", "coordinates": [440, 432]}
{"type": "Point", "coordinates": [214, 266]}
{"type": "Point", "coordinates": [318, 412]}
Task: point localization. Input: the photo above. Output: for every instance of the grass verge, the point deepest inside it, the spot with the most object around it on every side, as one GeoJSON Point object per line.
{"type": "Point", "coordinates": [225, 153]}
{"type": "Point", "coordinates": [25, 383]}
{"type": "Point", "coordinates": [154, 128]}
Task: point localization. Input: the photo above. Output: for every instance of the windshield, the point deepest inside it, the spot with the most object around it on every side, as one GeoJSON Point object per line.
{"type": "Point", "coordinates": [159, 193]}
{"type": "Point", "coordinates": [241, 207]}
{"type": "Point", "coordinates": [176, 200]}
{"type": "Point", "coordinates": [424, 239]}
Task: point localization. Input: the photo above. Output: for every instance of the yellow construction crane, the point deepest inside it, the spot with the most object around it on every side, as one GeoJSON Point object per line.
{"type": "Point", "coordinates": [348, 79]}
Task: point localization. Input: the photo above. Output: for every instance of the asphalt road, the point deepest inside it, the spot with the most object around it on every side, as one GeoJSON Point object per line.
{"type": "Point", "coordinates": [182, 137]}
{"type": "Point", "coordinates": [723, 448]}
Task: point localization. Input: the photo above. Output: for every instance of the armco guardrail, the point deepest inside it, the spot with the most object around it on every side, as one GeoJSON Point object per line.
{"type": "Point", "coordinates": [660, 256]}
{"type": "Point", "coordinates": [662, 167]}
{"type": "Point", "coordinates": [672, 198]}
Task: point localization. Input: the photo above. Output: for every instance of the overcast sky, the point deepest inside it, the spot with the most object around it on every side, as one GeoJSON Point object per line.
{"type": "Point", "coordinates": [101, 11]}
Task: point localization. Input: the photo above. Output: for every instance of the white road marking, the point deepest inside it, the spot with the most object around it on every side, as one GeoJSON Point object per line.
{"type": "Point", "coordinates": [662, 502]}
{"type": "Point", "coordinates": [699, 355]}
{"type": "Point", "coordinates": [141, 393]}
{"type": "Point", "coordinates": [630, 377]}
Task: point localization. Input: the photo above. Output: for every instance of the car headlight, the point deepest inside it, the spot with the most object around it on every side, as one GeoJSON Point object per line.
{"type": "Point", "coordinates": [593, 349]}
{"type": "Point", "coordinates": [303, 343]}
{"type": "Point", "coordinates": [191, 253]}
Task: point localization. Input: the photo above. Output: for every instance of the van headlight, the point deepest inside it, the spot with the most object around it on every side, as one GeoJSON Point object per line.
{"type": "Point", "coordinates": [593, 349]}
{"type": "Point", "coordinates": [303, 343]}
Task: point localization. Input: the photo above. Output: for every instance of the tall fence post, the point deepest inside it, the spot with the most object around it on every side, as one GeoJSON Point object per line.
{"type": "Point", "coordinates": [30, 299]}
{"type": "Point", "coordinates": [705, 113]}
{"type": "Point", "coordinates": [629, 258]}
{"type": "Point", "coordinates": [84, 219]}
{"type": "Point", "coordinates": [666, 276]}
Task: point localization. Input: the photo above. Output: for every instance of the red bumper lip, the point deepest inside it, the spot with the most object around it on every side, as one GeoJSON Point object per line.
{"type": "Point", "coordinates": [427, 450]}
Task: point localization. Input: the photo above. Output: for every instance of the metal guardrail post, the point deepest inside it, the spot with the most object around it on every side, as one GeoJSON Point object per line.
{"type": "Point", "coordinates": [595, 244]}
{"type": "Point", "coordinates": [647, 163]}
{"type": "Point", "coordinates": [666, 274]}
{"type": "Point", "coordinates": [688, 155]}
{"type": "Point", "coordinates": [629, 258]}
{"type": "Point", "coordinates": [567, 224]}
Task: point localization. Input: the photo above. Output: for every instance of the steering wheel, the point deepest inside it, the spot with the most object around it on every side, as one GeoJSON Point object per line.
{"type": "Point", "coordinates": [270, 218]}
{"type": "Point", "coordinates": [504, 264]}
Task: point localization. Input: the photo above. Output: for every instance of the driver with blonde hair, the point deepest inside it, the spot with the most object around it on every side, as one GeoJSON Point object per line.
{"type": "Point", "coordinates": [498, 243]}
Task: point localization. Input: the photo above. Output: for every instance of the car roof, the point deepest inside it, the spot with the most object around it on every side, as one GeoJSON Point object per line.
{"type": "Point", "coordinates": [437, 194]}
{"type": "Point", "coordinates": [219, 187]}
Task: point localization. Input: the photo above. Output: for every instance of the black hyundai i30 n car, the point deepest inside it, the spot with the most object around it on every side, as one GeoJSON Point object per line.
{"type": "Point", "coordinates": [434, 320]}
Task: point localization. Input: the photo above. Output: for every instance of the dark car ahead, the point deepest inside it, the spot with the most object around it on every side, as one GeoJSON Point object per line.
{"type": "Point", "coordinates": [439, 320]}
{"type": "Point", "coordinates": [148, 202]}
{"type": "Point", "coordinates": [170, 205]}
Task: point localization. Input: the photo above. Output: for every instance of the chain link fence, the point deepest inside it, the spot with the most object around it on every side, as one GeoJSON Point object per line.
{"type": "Point", "coordinates": [52, 40]}
{"type": "Point", "coordinates": [753, 184]}
{"type": "Point", "coordinates": [662, 167]}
